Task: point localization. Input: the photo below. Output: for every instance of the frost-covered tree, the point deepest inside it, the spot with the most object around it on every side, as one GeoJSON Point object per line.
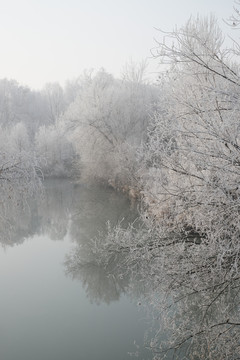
{"type": "Point", "coordinates": [108, 120]}
{"type": "Point", "coordinates": [191, 186]}
{"type": "Point", "coordinates": [72, 88]}
{"type": "Point", "coordinates": [20, 176]}
{"type": "Point", "coordinates": [19, 165]}
{"type": "Point", "coordinates": [55, 152]}
{"type": "Point", "coordinates": [21, 111]}
{"type": "Point", "coordinates": [54, 95]}
{"type": "Point", "coordinates": [20, 104]}
{"type": "Point", "coordinates": [193, 148]}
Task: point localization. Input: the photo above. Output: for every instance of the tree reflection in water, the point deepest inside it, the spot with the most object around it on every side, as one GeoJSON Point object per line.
{"type": "Point", "coordinates": [61, 208]}
{"type": "Point", "coordinates": [192, 318]}
{"type": "Point", "coordinates": [78, 211]}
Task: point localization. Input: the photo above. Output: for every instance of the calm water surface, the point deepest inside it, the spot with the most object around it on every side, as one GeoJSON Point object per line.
{"type": "Point", "coordinates": [47, 314]}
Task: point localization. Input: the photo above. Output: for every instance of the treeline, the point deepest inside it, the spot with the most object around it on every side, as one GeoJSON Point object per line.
{"type": "Point", "coordinates": [91, 127]}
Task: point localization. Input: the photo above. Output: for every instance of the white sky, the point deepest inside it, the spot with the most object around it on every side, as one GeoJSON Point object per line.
{"type": "Point", "coordinates": [55, 40]}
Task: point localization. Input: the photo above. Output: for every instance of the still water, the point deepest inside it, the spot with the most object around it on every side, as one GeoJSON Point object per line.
{"type": "Point", "coordinates": [49, 314]}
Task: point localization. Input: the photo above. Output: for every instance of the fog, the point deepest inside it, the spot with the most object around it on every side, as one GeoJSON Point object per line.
{"type": "Point", "coordinates": [51, 41]}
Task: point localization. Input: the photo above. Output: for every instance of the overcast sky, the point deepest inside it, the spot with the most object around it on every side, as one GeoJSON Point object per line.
{"type": "Point", "coordinates": [55, 40]}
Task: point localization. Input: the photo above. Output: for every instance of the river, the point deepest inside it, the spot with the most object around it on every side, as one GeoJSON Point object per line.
{"type": "Point", "coordinates": [50, 311]}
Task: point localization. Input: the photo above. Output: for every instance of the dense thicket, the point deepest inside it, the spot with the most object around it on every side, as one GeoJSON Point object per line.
{"type": "Point", "coordinates": [94, 124]}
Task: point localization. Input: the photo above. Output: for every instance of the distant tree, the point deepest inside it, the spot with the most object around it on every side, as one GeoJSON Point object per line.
{"type": "Point", "coordinates": [20, 176]}
{"type": "Point", "coordinates": [55, 100]}
{"type": "Point", "coordinates": [135, 72]}
{"type": "Point", "coordinates": [74, 86]}
{"type": "Point", "coordinates": [56, 154]}
{"type": "Point", "coordinates": [19, 104]}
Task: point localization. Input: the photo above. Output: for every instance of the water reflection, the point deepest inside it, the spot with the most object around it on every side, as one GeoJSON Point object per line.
{"type": "Point", "coordinates": [45, 306]}
{"type": "Point", "coordinates": [100, 274]}
{"type": "Point", "coordinates": [190, 322]}
{"type": "Point", "coordinates": [64, 207]}
{"type": "Point", "coordinates": [81, 213]}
